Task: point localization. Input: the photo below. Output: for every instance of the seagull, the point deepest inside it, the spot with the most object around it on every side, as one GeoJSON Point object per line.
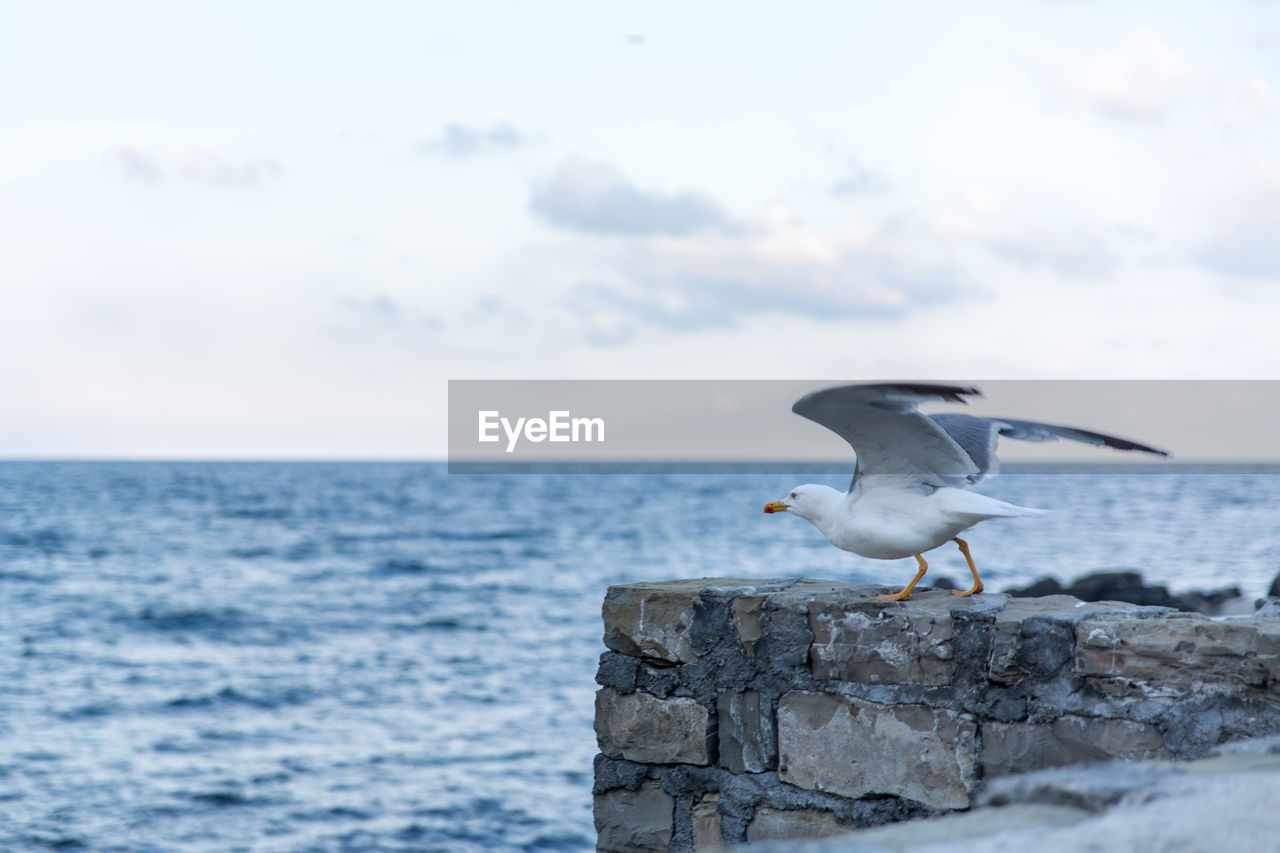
{"type": "Point", "coordinates": [908, 494]}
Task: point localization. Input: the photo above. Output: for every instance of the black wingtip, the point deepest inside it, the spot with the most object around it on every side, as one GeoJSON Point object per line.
{"type": "Point", "coordinates": [1036, 431]}
{"type": "Point", "coordinates": [1129, 444]}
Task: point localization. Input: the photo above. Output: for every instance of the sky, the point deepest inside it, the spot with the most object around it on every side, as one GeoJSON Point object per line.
{"type": "Point", "coordinates": [273, 229]}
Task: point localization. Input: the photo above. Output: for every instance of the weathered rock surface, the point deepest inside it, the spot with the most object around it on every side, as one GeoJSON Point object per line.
{"type": "Point", "coordinates": [1035, 637]}
{"type": "Point", "coordinates": [879, 643]}
{"type": "Point", "coordinates": [775, 824]}
{"type": "Point", "coordinates": [748, 742]}
{"type": "Point", "coordinates": [707, 837]}
{"type": "Point", "coordinates": [953, 832]}
{"type": "Point", "coordinates": [793, 707]}
{"type": "Point", "coordinates": [651, 620]}
{"type": "Point", "coordinates": [635, 821]}
{"type": "Point", "coordinates": [1180, 650]}
{"type": "Point", "coordinates": [644, 728]}
{"type": "Point", "coordinates": [855, 748]}
{"type": "Point", "coordinates": [1222, 803]}
{"type": "Point", "coordinates": [747, 611]}
{"type": "Point", "coordinates": [1020, 747]}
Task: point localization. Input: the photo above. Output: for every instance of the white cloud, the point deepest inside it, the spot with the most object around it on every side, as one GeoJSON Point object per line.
{"type": "Point", "coordinates": [1240, 239]}
{"type": "Point", "coordinates": [595, 197]}
{"type": "Point", "coordinates": [1144, 79]}
{"type": "Point", "coordinates": [673, 263]}
{"type": "Point", "coordinates": [1249, 250]}
{"type": "Point", "coordinates": [1036, 236]}
{"type": "Point", "coordinates": [194, 165]}
{"type": "Point", "coordinates": [1243, 106]}
{"type": "Point", "coordinates": [459, 140]}
{"type": "Point", "coordinates": [858, 180]}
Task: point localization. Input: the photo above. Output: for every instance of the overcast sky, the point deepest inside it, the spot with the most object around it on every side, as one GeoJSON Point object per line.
{"type": "Point", "coordinates": [277, 229]}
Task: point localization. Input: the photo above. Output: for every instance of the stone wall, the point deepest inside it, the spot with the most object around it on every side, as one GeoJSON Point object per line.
{"type": "Point", "coordinates": [748, 710]}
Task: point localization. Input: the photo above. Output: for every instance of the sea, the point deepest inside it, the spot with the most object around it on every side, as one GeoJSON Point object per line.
{"type": "Point", "coordinates": [297, 656]}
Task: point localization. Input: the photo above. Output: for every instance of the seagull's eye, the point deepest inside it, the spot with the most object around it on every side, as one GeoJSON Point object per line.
{"type": "Point", "coordinates": [793, 496]}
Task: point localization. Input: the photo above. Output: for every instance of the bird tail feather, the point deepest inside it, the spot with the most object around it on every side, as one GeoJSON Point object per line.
{"type": "Point", "coordinates": [974, 505]}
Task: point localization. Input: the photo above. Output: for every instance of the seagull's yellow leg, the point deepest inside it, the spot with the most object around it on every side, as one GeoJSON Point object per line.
{"type": "Point", "coordinates": [905, 593]}
{"type": "Point", "coordinates": [977, 581]}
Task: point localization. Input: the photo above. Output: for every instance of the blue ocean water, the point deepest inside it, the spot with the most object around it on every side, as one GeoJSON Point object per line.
{"type": "Point", "coordinates": [334, 657]}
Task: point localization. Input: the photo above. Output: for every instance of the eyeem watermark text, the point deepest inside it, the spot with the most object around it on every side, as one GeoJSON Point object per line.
{"type": "Point", "coordinates": [558, 426]}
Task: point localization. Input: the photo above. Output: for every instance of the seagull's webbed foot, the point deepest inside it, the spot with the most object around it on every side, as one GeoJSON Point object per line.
{"type": "Point", "coordinates": [977, 581]}
{"type": "Point", "coordinates": [905, 593]}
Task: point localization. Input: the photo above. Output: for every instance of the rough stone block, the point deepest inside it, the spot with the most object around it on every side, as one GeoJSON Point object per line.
{"type": "Point", "coordinates": [707, 837]}
{"type": "Point", "coordinates": [635, 821]}
{"type": "Point", "coordinates": [652, 620]}
{"type": "Point", "coordinates": [770, 824]}
{"type": "Point", "coordinates": [854, 748]}
{"type": "Point", "coordinates": [748, 741]}
{"type": "Point", "coordinates": [746, 611]}
{"type": "Point", "coordinates": [641, 727]}
{"type": "Point", "coordinates": [1034, 637]}
{"type": "Point", "coordinates": [1180, 650]}
{"type": "Point", "coordinates": [1020, 747]}
{"type": "Point", "coordinates": [879, 642]}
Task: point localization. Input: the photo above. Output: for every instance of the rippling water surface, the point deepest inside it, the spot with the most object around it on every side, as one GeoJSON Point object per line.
{"type": "Point", "coordinates": [331, 657]}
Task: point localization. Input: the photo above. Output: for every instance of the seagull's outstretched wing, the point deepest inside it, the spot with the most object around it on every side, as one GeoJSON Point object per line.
{"type": "Point", "coordinates": [978, 436]}
{"type": "Point", "coordinates": [890, 437]}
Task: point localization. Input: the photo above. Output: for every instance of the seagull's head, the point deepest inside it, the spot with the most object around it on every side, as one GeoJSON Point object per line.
{"type": "Point", "coordinates": [804, 501]}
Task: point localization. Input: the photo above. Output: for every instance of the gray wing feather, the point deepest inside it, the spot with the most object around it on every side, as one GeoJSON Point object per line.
{"type": "Point", "coordinates": [891, 438]}
{"type": "Point", "coordinates": [978, 436]}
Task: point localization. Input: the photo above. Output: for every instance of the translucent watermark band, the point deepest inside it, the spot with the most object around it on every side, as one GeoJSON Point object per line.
{"type": "Point", "coordinates": [748, 426]}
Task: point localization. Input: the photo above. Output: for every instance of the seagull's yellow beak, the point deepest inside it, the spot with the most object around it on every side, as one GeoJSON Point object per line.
{"type": "Point", "coordinates": [775, 506]}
